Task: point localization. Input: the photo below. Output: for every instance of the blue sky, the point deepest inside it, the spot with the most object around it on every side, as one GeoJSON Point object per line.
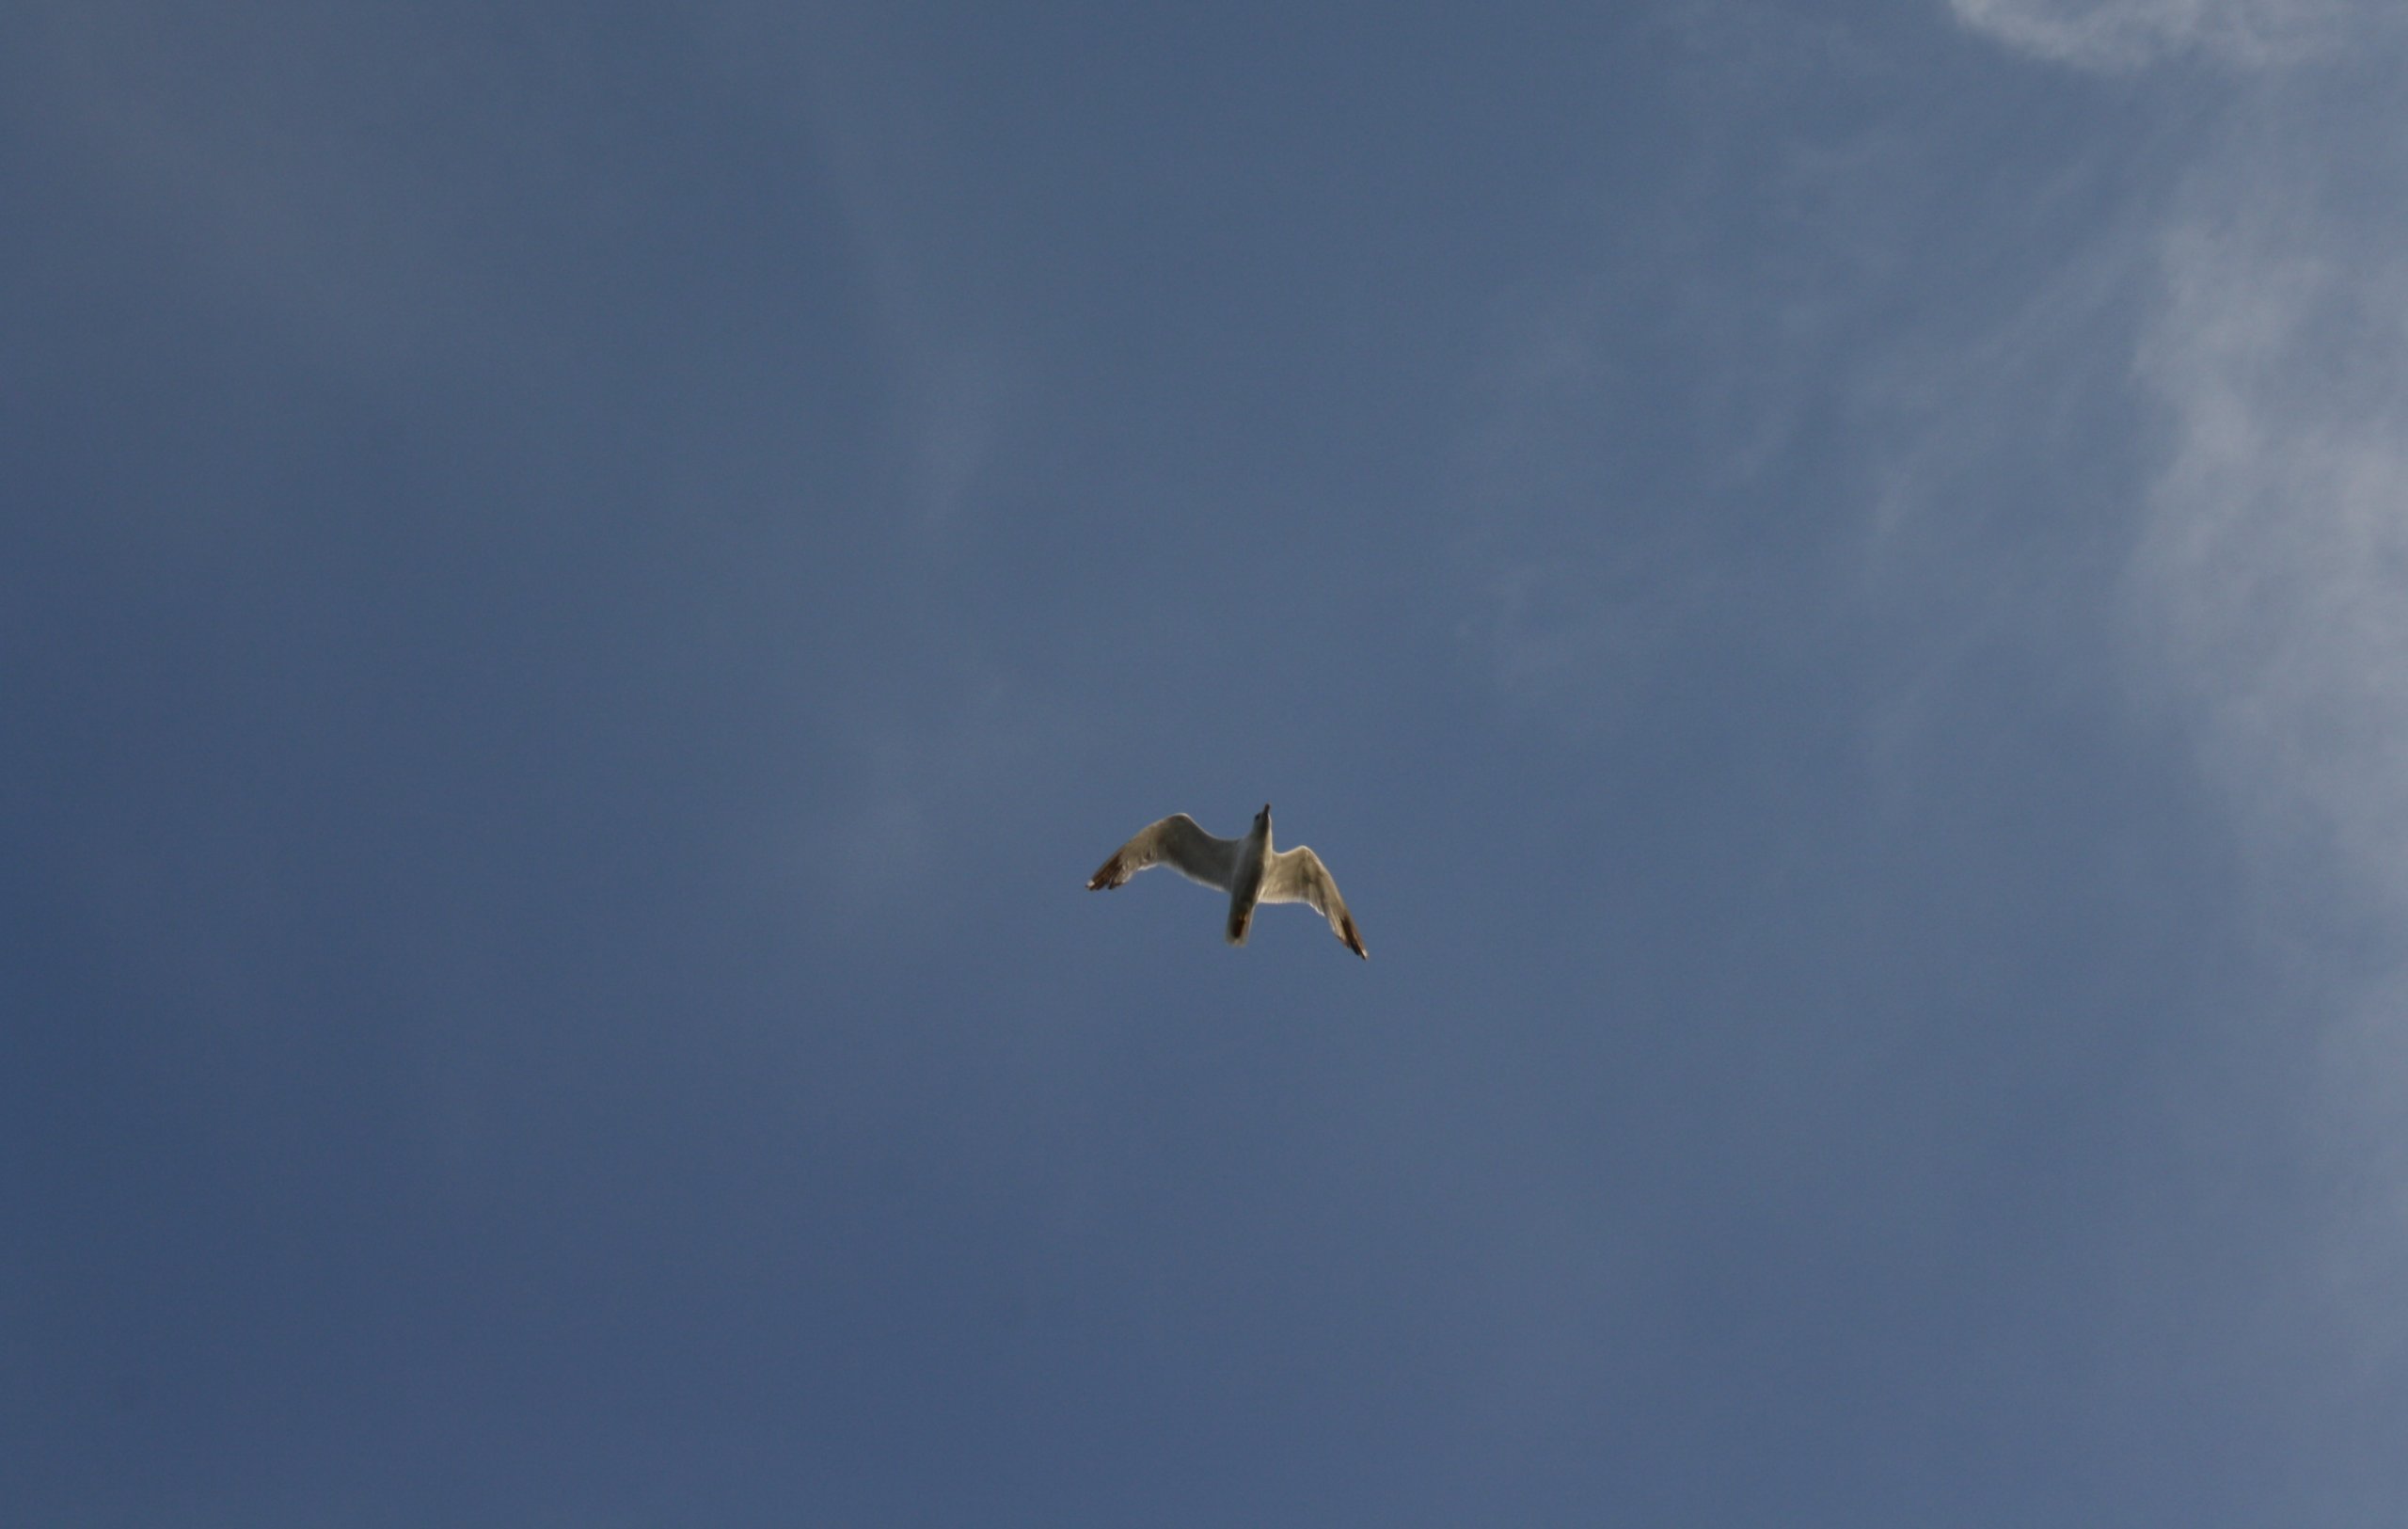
{"type": "Point", "coordinates": [581, 591]}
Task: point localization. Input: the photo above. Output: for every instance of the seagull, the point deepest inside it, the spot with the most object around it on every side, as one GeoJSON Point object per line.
{"type": "Point", "coordinates": [1249, 869]}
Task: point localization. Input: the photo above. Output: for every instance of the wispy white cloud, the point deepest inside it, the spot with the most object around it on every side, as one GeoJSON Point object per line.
{"type": "Point", "coordinates": [919, 780]}
{"type": "Point", "coordinates": [1627, 416]}
{"type": "Point", "coordinates": [2246, 308]}
{"type": "Point", "coordinates": [2124, 34]}
{"type": "Point", "coordinates": [1579, 593]}
{"type": "Point", "coordinates": [880, 141]}
{"type": "Point", "coordinates": [951, 365]}
{"type": "Point", "coordinates": [2261, 513]}
{"type": "Point", "coordinates": [2271, 583]}
{"type": "Point", "coordinates": [2276, 548]}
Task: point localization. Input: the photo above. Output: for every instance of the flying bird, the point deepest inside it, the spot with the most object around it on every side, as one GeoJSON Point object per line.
{"type": "Point", "coordinates": [1249, 869]}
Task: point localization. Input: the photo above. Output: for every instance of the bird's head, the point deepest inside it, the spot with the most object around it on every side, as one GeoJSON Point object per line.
{"type": "Point", "coordinates": [1262, 818]}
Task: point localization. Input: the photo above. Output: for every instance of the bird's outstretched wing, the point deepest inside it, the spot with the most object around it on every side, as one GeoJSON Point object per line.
{"type": "Point", "coordinates": [1298, 875]}
{"type": "Point", "coordinates": [1177, 842]}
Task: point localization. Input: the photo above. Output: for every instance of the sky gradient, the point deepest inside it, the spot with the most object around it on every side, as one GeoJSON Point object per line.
{"type": "Point", "coordinates": [579, 593]}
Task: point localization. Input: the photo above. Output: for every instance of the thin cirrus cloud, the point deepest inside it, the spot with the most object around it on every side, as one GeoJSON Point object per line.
{"type": "Point", "coordinates": [880, 145]}
{"type": "Point", "coordinates": [2269, 573]}
{"type": "Point", "coordinates": [2272, 579]}
{"type": "Point", "coordinates": [2127, 34]}
{"type": "Point", "coordinates": [2268, 589]}
{"type": "Point", "coordinates": [946, 364]}
{"type": "Point", "coordinates": [2277, 529]}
